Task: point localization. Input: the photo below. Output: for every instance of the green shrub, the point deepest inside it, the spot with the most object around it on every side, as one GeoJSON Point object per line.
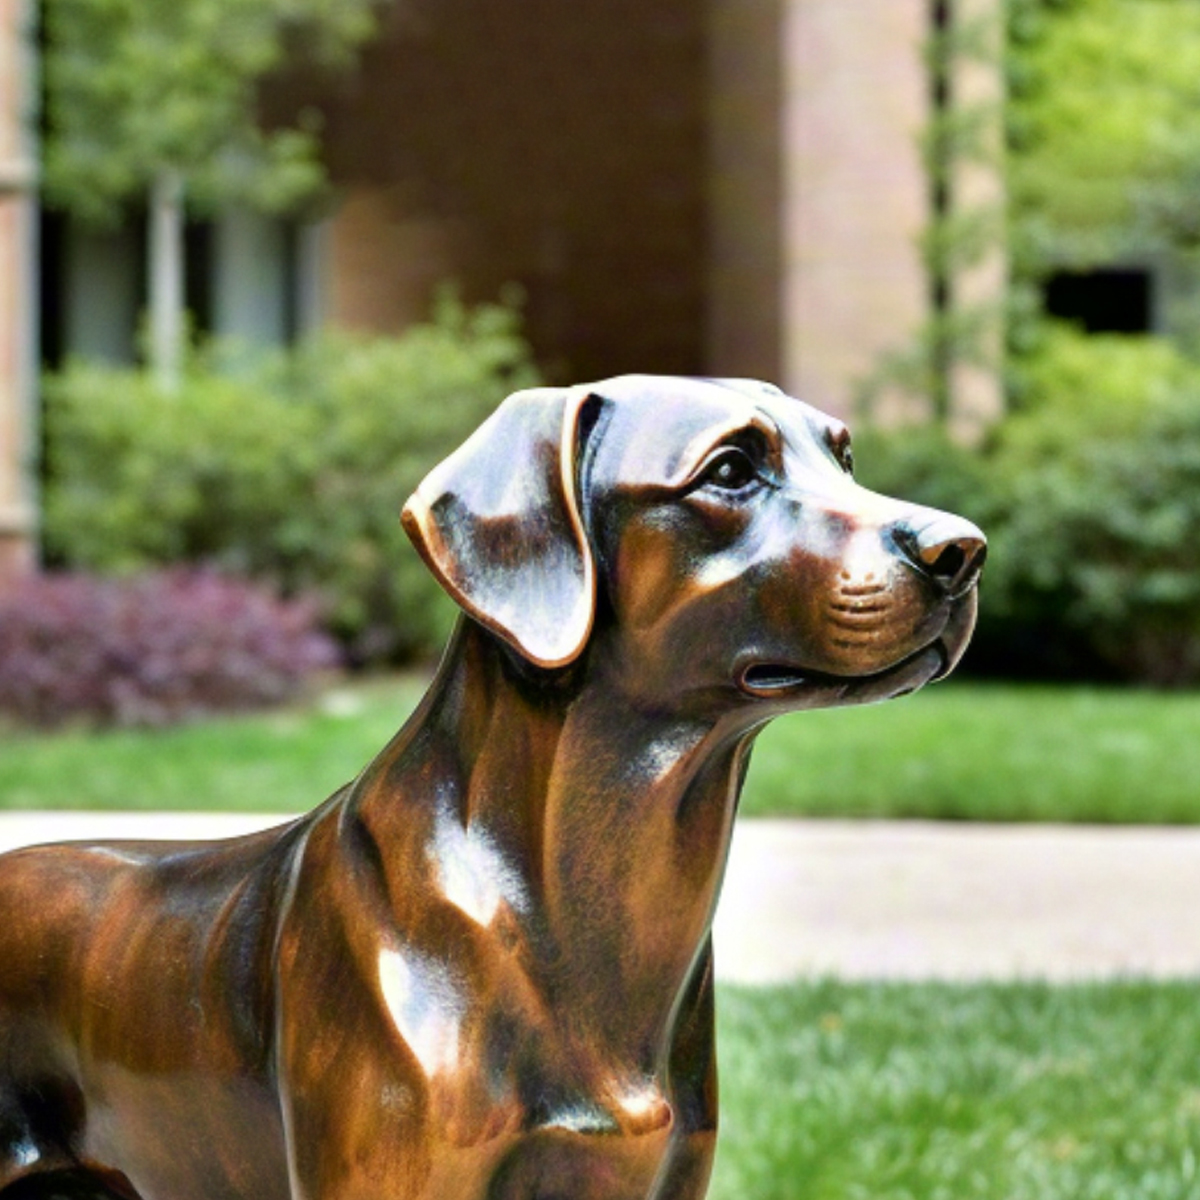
{"type": "Point", "coordinates": [1091, 501]}
{"type": "Point", "coordinates": [1102, 483]}
{"type": "Point", "coordinates": [289, 467]}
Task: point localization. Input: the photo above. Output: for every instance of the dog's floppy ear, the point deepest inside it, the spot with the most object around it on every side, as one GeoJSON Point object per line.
{"type": "Point", "coordinates": [498, 523]}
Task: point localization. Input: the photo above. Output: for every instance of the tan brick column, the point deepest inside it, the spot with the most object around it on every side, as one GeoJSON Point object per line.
{"type": "Point", "coordinates": [977, 190]}
{"type": "Point", "coordinates": [17, 296]}
{"type": "Point", "coordinates": [855, 194]}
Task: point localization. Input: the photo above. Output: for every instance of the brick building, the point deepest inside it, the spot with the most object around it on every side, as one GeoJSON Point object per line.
{"type": "Point", "coordinates": [17, 323]}
{"type": "Point", "coordinates": [691, 186]}
{"type": "Point", "coordinates": [695, 186]}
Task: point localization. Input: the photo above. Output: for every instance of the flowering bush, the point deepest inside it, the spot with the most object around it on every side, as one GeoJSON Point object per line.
{"type": "Point", "coordinates": [150, 649]}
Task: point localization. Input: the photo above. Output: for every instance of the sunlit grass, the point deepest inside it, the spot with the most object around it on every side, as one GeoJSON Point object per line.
{"type": "Point", "coordinates": [957, 751]}
{"type": "Point", "coordinates": [284, 761]}
{"type": "Point", "coordinates": [989, 752]}
{"type": "Point", "coordinates": [940, 1092]}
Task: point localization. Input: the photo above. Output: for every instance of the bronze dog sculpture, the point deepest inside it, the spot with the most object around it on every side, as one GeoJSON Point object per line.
{"type": "Point", "coordinates": [482, 970]}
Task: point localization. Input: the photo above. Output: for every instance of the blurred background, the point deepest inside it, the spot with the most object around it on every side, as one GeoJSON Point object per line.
{"type": "Point", "coordinates": [263, 262]}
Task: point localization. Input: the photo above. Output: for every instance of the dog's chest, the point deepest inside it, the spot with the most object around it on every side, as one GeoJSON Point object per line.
{"type": "Point", "coordinates": [550, 1137]}
{"type": "Point", "coordinates": [507, 1074]}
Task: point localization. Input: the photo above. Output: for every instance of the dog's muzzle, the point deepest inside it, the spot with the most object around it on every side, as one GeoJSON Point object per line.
{"type": "Point", "coordinates": [864, 616]}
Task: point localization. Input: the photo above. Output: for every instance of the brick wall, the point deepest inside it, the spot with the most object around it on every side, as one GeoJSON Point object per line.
{"type": "Point", "coordinates": [538, 143]}
{"type": "Point", "coordinates": [16, 299]}
{"type": "Point", "coordinates": [693, 186]}
{"type": "Point", "coordinates": [976, 391]}
{"type": "Point", "coordinates": [855, 194]}
{"type": "Point", "coordinates": [746, 176]}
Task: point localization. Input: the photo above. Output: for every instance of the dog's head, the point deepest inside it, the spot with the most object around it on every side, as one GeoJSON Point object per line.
{"type": "Point", "coordinates": [709, 533]}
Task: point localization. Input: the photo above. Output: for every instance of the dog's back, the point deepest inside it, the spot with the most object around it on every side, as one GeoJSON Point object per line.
{"type": "Point", "coordinates": [127, 968]}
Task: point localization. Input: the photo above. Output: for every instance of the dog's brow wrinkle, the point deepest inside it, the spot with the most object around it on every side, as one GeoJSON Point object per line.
{"type": "Point", "coordinates": [771, 427]}
{"type": "Point", "coordinates": [722, 568]}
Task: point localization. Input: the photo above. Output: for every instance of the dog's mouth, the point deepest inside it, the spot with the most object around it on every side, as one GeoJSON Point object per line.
{"type": "Point", "coordinates": [772, 681]}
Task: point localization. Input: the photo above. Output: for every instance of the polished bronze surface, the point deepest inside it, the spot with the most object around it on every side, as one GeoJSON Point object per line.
{"type": "Point", "coordinates": [483, 970]}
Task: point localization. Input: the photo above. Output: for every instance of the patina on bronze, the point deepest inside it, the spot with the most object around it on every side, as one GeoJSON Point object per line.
{"type": "Point", "coordinates": [483, 970]}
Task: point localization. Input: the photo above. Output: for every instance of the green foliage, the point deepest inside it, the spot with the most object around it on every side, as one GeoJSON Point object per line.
{"type": "Point", "coordinates": [291, 468]}
{"type": "Point", "coordinates": [1094, 557]}
{"type": "Point", "coordinates": [1102, 502]}
{"type": "Point", "coordinates": [1090, 498]}
{"type": "Point", "coordinates": [921, 463]}
{"type": "Point", "coordinates": [1102, 134]}
{"type": "Point", "coordinates": [138, 87]}
{"type": "Point", "coordinates": [1102, 166]}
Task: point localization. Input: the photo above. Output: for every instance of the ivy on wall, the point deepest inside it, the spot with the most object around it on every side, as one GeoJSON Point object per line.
{"type": "Point", "coordinates": [1096, 139]}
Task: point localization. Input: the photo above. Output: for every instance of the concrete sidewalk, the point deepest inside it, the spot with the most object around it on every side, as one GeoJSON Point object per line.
{"type": "Point", "coordinates": [889, 900]}
{"type": "Point", "coordinates": [916, 900]}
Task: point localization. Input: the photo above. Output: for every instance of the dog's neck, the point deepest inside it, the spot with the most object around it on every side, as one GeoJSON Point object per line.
{"type": "Point", "coordinates": [617, 821]}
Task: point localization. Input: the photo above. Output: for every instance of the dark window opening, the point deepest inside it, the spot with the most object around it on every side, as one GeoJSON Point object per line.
{"type": "Point", "coordinates": [50, 290]}
{"type": "Point", "coordinates": [1113, 300]}
{"type": "Point", "coordinates": [94, 295]}
{"type": "Point", "coordinates": [198, 279]}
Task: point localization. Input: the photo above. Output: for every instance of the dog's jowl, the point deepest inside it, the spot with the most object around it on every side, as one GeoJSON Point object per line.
{"type": "Point", "coordinates": [482, 970]}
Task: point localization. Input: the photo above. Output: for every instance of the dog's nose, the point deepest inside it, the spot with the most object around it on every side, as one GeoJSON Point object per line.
{"type": "Point", "coordinates": [948, 549]}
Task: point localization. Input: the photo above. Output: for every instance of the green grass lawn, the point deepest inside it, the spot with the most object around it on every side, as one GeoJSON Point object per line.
{"type": "Point", "coordinates": [989, 752]}
{"type": "Point", "coordinates": [939, 1092]}
{"type": "Point", "coordinates": [978, 751]}
{"type": "Point", "coordinates": [956, 751]}
{"type": "Point", "coordinates": [284, 761]}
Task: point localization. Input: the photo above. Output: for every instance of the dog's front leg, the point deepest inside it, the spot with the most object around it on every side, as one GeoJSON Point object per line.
{"type": "Point", "coordinates": [347, 1135]}
{"type": "Point", "coordinates": [374, 1105]}
{"type": "Point", "coordinates": [362, 1132]}
{"type": "Point", "coordinates": [685, 1172]}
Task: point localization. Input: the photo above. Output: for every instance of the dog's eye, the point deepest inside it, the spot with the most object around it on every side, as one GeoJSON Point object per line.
{"type": "Point", "coordinates": [731, 470]}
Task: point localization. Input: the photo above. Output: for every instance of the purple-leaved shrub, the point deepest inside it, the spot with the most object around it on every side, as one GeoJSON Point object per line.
{"type": "Point", "coordinates": [150, 649]}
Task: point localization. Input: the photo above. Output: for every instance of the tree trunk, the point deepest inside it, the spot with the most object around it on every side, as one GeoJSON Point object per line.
{"type": "Point", "coordinates": [165, 279]}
